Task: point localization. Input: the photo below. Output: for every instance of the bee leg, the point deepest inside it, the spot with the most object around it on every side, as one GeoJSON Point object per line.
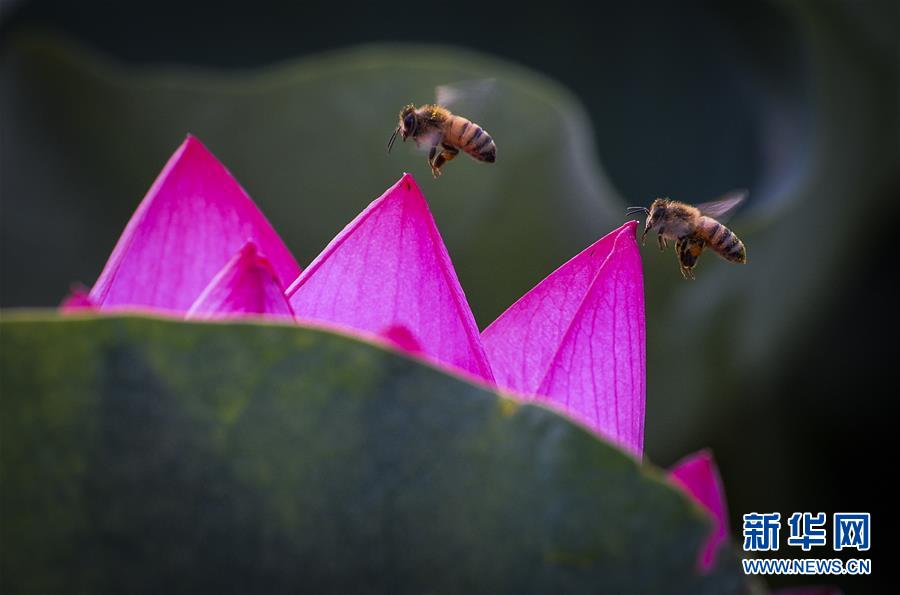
{"type": "Point", "coordinates": [681, 253]}
{"type": "Point", "coordinates": [443, 157]}
{"type": "Point", "coordinates": [662, 243]}
{"type": "Point", "coordinates": [431, 154]}
{"type": "Point", "coordinates": [688, 250]}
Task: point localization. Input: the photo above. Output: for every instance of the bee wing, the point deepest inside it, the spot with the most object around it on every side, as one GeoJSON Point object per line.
{"type": "Point", "coordinates": [725, 204]}
{"type": "Point", "coordinates": [465, 96]}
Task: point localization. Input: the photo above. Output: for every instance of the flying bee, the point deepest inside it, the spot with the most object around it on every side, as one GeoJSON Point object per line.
{"type": "Point", "coordinates": [693, 228]}
{"type": "Point", "coordinates": [442, 133]}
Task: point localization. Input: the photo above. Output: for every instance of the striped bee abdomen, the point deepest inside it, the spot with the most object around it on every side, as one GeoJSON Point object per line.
{"type": "Point", "coordinates": [471, 138]}
{"type": "Point", "coordinates": [722, 240]}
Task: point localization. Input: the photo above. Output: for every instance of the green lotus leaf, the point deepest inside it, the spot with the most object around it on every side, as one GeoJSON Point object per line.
{"type": "Point", "coordinates": [153, 455]}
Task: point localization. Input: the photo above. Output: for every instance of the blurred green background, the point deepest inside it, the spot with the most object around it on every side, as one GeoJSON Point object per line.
{"type": "Point", "coordinates": [780, 366]}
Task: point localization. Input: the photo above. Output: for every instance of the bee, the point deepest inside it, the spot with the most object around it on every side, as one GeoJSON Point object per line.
{"type": "Point", "coordinates": [693, 228]}
{"type": "Point", "coordinates": [444, 134]}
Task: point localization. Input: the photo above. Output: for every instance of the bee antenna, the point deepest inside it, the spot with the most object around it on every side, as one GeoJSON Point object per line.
{"type": "Point", "coordinates": [633, 210]}
{"type": "Point", "coordinates": [393, 138]}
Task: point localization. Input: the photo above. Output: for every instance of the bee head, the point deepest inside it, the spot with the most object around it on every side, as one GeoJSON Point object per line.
{"type": "Point", "coordinates": [408, 121]}
{"type": "Point", "coordinates": [655, 214]}
{"type": "Point", "coordinates": [406, 126]}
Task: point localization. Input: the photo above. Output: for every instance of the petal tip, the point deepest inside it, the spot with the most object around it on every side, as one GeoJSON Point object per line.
{"type": "Point", "coordinates": [629, 228]}
{"type": "Point", "coordinates": [701, 459]}
{"type": "Point", "coordinates": [192, 141]}
{"type": "Point", "coordinates": [402, 338]}
{"type": "Point", "coordinates": [247, 285]}
{"type": "Point", "coordinates": [408, 183]}
{"type": "Point", "coordinates": [193, 151]}
{"type": "Point", "coordinates": [79, 299]}
{"type": "Point", "coordinates": [248, 250]}
{"type": "Point", "coordinates": [698, 475]}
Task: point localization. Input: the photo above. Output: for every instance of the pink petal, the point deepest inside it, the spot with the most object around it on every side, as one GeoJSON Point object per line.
{"type": "Point", "coordinates": [78, 300]}
{"type": "Point", "coordinates": [248, 284]}
{"type": "Point", "coordinates": [699, 477]}
{"type": "Point", "coordinates": [193, 219]}
{"type": "Point", "coordinates": [400, 337]}
{"type": "Point", "coordinates": [390, 268]}
{"type": "Point", "coordinates": [576, 340]}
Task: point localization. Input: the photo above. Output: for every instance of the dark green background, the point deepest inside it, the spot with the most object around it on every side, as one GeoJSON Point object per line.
{"type": "Point", "coordinates": [780, 366]}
